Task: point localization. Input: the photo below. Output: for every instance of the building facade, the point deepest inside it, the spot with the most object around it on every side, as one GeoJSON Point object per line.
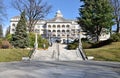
{"type": "Point", "coordinates": [57, 27]}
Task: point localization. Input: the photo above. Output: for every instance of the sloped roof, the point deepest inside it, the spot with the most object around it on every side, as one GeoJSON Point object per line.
{"type": "Point", "coordinates": [16, 17]}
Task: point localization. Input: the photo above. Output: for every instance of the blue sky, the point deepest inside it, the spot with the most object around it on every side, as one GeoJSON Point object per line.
{"type": "Point", "coordinates": [69, 9]}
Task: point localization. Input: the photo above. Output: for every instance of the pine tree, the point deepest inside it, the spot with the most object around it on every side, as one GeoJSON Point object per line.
{"type": "Point", "coordinates": [95, 15]}
{"type": "Point", "coordinates": [1, 31]}
{"type": "Point", "coordinates": [20, 38]}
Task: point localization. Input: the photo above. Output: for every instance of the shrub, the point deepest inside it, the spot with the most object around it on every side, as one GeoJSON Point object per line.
{"type": "Point", "coordinates": [86, 45]}
{"type": "Point", "coordinates": [40, 40]}
{"type": "Point", "coordinates": [0, 42]}
{"type": "Point", "coordinates": [31, 39]}
{"type": "Point", "coordinates": [75, 44]}
{"type": "Point", "coordinates": [101, 43]}
{"type": "Point", "coordinates": [115, 37]}
{"type": "Point", "coordinates": [9, 37]}
{"type": "Point", "coordinates": [72, 46]}
{"type": "Point", "coordinates": [6, 44]}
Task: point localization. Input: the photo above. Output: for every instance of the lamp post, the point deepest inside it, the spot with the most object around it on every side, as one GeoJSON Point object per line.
{"type": "Point", "coordinates": [67, 39]}
{"type": "Point", "coordinates": [80, 43]}
{"type": "Point", "coordinates": [36, 43]}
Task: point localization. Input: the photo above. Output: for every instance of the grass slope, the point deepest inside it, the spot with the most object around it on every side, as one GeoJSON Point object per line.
{"type": "Point", "coordinates": [7, 55]}
{"type": "Point", "coordinates": [106, 53]}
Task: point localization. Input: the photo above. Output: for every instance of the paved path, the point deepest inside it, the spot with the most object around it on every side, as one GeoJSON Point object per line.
{"type": "Point", "coordinates": [73, 69]}
{"type": "Point", "coordinates": [56, 52]}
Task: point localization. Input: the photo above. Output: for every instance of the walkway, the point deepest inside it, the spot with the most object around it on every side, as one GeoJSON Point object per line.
{"type": "Point", "coordinates": [54, 69]}
{"type": "Point", "coordinates": [56, 52]}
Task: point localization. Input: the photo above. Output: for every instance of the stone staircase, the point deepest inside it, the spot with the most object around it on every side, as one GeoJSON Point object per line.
{"type": "Point", "coordinates": [56, 52]}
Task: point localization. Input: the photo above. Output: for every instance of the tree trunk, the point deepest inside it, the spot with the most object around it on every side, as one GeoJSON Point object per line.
{"type": "Point", "coordinates": [117, 20]}
{"type": "Point", "coordinates": [97, 36]}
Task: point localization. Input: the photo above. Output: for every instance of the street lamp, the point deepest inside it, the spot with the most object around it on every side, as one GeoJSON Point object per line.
{"type": "Point", "coordinates": [36, 43]}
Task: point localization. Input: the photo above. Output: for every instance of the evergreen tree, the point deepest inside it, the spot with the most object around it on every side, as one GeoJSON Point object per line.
{"type": "Point", "coordinates": [95, 15]}
{"type": "Point", "coordinates": [7, 31]}
{"type": "Point", "coordinates": [1, 31]}
{"type": "Point", "coordinates": [20, 38]}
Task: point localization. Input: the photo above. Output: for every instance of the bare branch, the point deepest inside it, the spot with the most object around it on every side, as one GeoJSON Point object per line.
{"type": "Point", "coordinates": [35, 10]}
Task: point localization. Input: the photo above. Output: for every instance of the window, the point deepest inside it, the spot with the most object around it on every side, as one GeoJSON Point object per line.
{"type": "Point", "coordinates": [44, 26]}
{"type": "Point", "coordinates": [78, 31]}
{"type": "Point", "coordinates": [54, 30]}
{"type": "Point", "coordinates": [13, 25]}
{"type": "Point", "coordinates": [63, 26]}
{"type": "Point", "coordinates": [58, 26]}
{"type": "Point", "coordinates": [58, 30]}
{"type": "Point", "coordinates": [54, 35]}
{"type": "Point", "coordinates": [67, 26]}
{"type": "Point", "coordinates": [67, 30]}
{"type": "Point", "coordinates": [54, 26]}
{"type": "Point", "coordinates": [63, 30]}
{"type": "Point", "coordinates": [73, 31]}
{"type": "Point", "coordinates": [63, 35]}
{"type": "Point", "coordinates": [58, 35]}
{"type": "Point", "coordinates": [38, 26]}
{"type": "Point", "coordinates": [37, 30]}
{"type": "Point", "coordinates": [49, 26]}
{"type": "Point", "coordinates": [13, 29]}
{"type": "Point", "coordinates": [68, 35]}
{"type": "Point", "coordinates": [49, 30]}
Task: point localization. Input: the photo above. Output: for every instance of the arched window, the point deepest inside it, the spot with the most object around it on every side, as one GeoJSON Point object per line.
{"type": "Point", "coordinates": [54, 26]}
{"type": "Point", "coordinates": [13, 30]}
{"type": "Point", "coordinates": [63, 26]}
{"type": "Point", "coordinates": [49, 30]}
{"type": "Point", "coordinates": [13, 25]}
{"type": "Point", "coordinates": [67, 30]}
{"type": "Point", "coordinates": [63, 35]}
{"type": "Point", "coordinates": [54, 35]}
{"type": "Point", "coordinates": [54, 30]}
{"type": "Point", "coordinates": [37, 30]}
{"type": "Point", "coordinates": [49, 26]}
{"type": "Point", "coordinates": [58, 30]}
{"type": "Point", "coordinates": [63, 30]}
{"type": "Point", "coordinates": [58, 35]}
{"type": "Point", "coordinates": [68, 26]}
{"type": "Point", "coordinates": [58, 26]}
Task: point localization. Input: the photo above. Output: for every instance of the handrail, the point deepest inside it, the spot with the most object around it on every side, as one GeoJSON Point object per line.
{"type": "Point", "coordinates": [84, 57]}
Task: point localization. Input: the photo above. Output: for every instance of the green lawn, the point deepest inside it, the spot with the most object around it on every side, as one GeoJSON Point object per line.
{"type": "Point", "coordinates": [106, 53]}
{"type": "Point", "coordinates": [7, 55]}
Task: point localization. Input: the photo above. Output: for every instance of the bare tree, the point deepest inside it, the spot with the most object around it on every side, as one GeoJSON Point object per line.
{"type": "Point", "coordinates": [35, 10]}
{"type": "Point", "coordinates": [116, 7]}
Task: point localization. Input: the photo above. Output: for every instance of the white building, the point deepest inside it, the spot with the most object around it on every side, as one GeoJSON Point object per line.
{"type": "Point", "coordinates": [56, 27]}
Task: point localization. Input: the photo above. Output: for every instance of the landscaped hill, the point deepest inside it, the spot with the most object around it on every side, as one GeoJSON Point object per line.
{"type": "Point", "coordinates": [109, 52]}
{"type": "Point", "coordinates": [7, 55]}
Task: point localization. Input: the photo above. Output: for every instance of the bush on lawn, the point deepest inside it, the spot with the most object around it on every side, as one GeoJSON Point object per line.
{"type": "Point", "coordinates": [0, 42]}
{"type": "Point", "coordinates": [40, 40]}
{"type": "Point", "coordinates": [75, 44]}
{"type": "Point", "coordinates": [115, 37]}
{"type": "Point", "coordinates": [101, 43]}
{"type": "Point", "coordinates": [5, 44]}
